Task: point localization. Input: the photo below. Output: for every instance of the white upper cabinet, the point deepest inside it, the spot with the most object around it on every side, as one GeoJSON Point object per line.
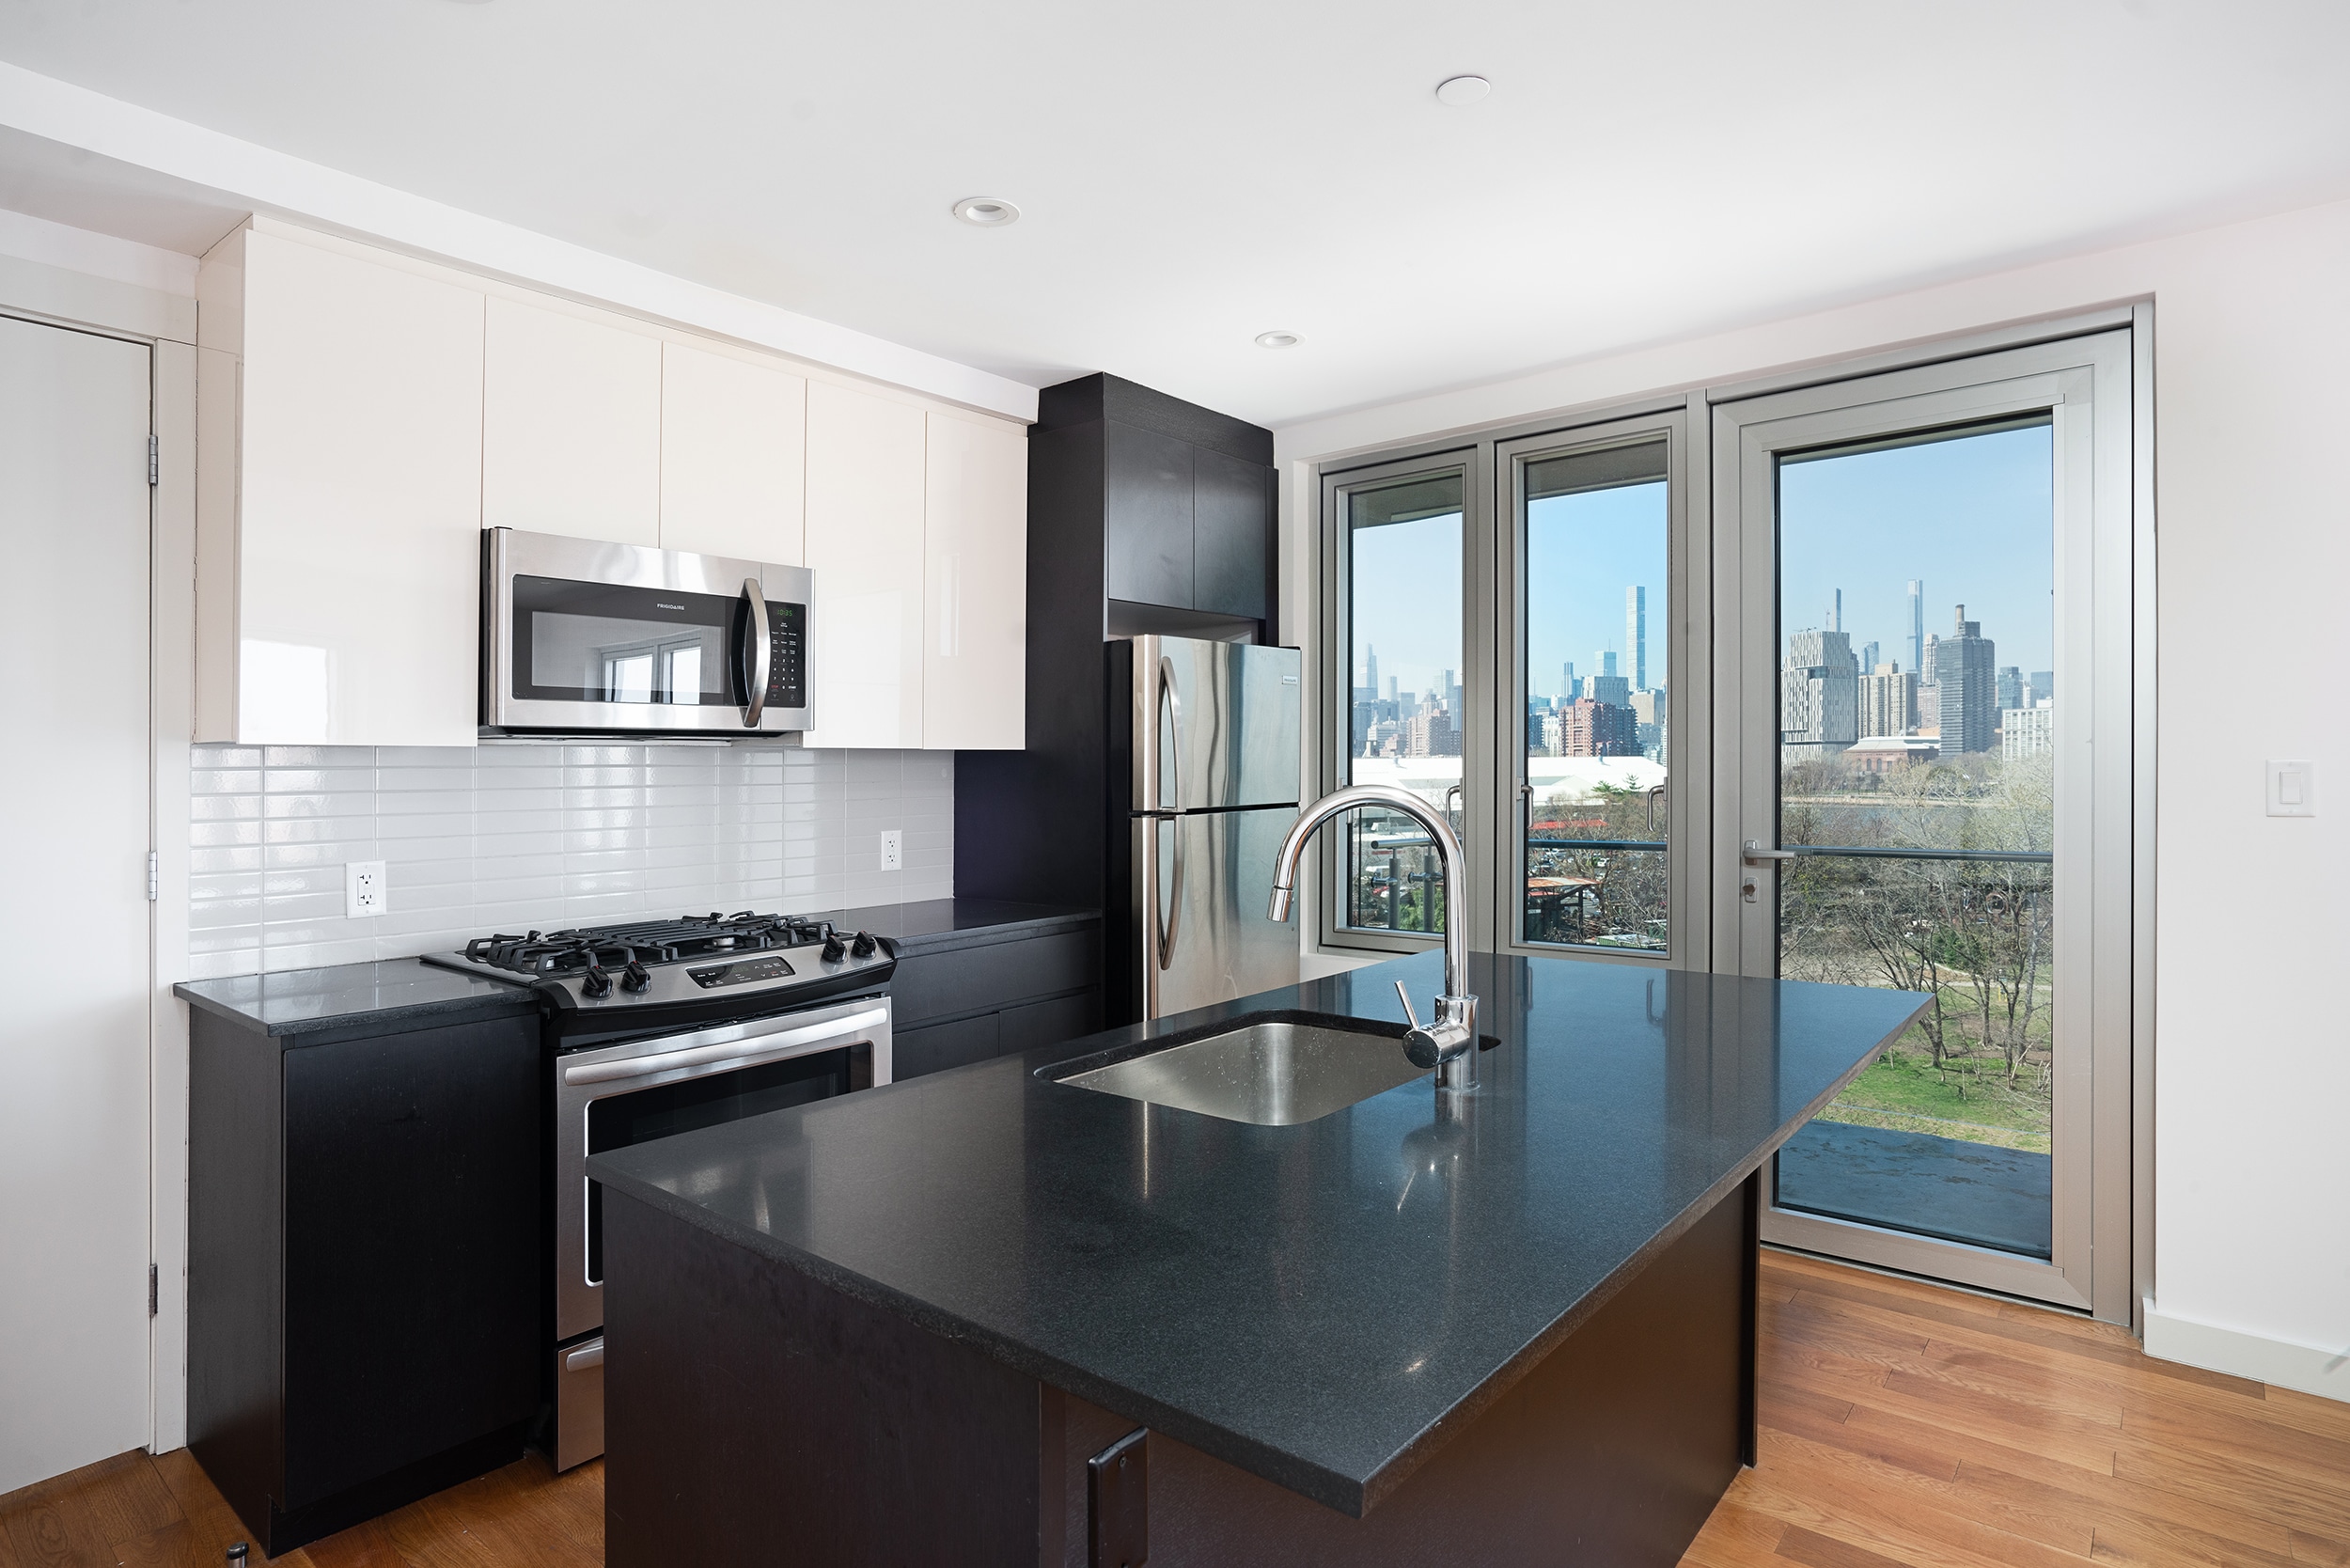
{"type": "Point", "coordinates": [865, 500]}
{"type": "Point", "coordinates": [734, 457]}
{"type": "Point", "coordinates": [974, 586]}
{"type": "Point", "coordinates": [362, 416]}
{"type": "Point", "coordinates": [352, 533]}
{"type": "Point", "coordinates": [570, 427]}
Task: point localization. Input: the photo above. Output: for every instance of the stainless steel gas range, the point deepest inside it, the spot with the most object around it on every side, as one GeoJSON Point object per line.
{"type": "Point", "coordinates": [663, 1027]}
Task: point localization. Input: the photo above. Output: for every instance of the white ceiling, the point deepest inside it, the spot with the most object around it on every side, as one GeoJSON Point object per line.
{"type": "Point", "coordinates": [1195, 174]}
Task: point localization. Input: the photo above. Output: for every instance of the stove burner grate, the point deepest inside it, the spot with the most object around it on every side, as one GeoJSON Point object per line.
{"type": "Point", "coordinates": [687, 937]}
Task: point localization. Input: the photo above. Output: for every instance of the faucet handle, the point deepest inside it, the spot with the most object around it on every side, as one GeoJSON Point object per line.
{"type": "Point", "coordinates": [1405, 998]}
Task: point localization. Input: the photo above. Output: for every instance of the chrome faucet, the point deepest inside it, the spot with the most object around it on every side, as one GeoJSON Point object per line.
{"type": "Point", "coordinates": [1448, 1042]}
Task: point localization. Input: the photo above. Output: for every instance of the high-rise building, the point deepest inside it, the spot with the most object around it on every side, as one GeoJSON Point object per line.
{"type": "Point", "coordinates": [1616, 689]}
{"type": "Point", "coordinates": [1566, 691]}
{"type": "Point", "coordinates": [2042, 684]}
{"type": "Point", "coordinates": [2012, 687]}
{"type": "Point", "coordinates": [1965, 672]}
{"type": "Point", "coordinates": [1649, 709]}
{"type": "Point", "coordinates": [2027, 732]}
{"type": "Point", "coordinates": [1590, 729]}
{"type": "Point", "coordinates": [1371, 672]}
{"type": "Point", "coordinates": [1604, 660]}
{"type": "Point", "coordinates": [1868, 656]}
{"type": "Point", "coordinates": [1927, 673]}
{"type": "Point", "coordinates": [1819, 691]}
{"type": "Point", "coordinates": [1888, 700]}
{"type": "Point", "coordinates": [1393, 694]}
{"type": "Point", "coordinates": [1430, 733]}
{"type": "Point", "coordinates": [1636, 634]}
{"type": "Point", "coordinates": [1453, 699]}
{"type": "Point", "coordinates": [1835, 612]}
{"type": "Point", "coordinates": [1918, 628]}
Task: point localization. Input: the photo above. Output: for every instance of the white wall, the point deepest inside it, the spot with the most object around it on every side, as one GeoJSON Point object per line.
{"type": "Point", "coordinates": [2252, 367]}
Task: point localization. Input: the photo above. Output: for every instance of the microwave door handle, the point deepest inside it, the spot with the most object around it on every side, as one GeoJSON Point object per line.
{"type": "Point", "coordinates": [762, 652]}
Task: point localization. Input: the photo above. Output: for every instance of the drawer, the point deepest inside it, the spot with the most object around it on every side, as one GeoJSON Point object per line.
{"type": "Point", "coordinates": [1034, 1023]}
{"type": "Point", "coordinates": [914, 1051]}
{"type": "Point", "coordinates": [988, 979]}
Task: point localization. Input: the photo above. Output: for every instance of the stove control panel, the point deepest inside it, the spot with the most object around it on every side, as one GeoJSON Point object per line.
{"type": "Point", "coordinates": [740, 973]}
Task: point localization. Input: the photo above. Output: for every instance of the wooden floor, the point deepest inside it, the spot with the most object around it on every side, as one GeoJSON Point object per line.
{"type": "Point", "coordinates": [1901, 1424]}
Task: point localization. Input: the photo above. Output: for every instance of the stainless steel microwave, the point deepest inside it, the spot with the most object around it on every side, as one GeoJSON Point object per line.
{"type": "Point", "coordinates": [580, 635]}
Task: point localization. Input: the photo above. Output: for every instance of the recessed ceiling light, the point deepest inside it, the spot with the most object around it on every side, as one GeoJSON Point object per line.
{"type": "Point", "coordinates": [986, 212]}
{"type": "Point", "coordinates": [1278, 339]}
{"type": "Point", "coordinates": [1459, 92]}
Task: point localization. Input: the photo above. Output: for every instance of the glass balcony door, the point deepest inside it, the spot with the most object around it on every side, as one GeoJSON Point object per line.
{"type": "Point", "coordinates": [1924, 609]}
{"type": "Point", "coordinates": [1595, 550]}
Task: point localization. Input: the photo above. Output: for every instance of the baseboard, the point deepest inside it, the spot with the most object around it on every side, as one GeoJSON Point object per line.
{"type": "Point", "coordinates": [2307, 1367]}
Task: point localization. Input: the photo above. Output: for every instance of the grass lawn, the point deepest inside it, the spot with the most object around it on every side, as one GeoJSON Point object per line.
{"type": "Point", "coordinates": [1966, 1098]}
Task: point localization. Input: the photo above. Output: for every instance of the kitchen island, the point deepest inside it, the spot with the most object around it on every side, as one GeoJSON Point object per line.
{"type": "Point", "coordinates": [896, 1328]}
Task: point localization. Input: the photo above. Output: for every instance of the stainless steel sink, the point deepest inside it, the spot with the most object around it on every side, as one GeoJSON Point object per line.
{"type": "Point", "coordinates": [1273, 1072]}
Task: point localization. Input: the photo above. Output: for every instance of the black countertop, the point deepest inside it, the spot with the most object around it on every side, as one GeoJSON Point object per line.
{"type": "Point", "coordinates": [1322, 1304]}
{"type": "Point", "coordinates": [402, 993]}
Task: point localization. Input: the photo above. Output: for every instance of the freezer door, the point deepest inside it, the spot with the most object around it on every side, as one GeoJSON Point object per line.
{"type": "Point", "coordinates": [1215, 725]}
{"type": "Point", "coordinates": [1201, 908]}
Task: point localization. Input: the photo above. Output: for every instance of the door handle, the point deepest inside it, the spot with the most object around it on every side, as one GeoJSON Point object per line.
{"type": "Point", "coordinates": [1754, 854]}
{"type": "Point", "coordinates": [763, 654]}
{"type": "Point", "coordinates": [1174, 706]}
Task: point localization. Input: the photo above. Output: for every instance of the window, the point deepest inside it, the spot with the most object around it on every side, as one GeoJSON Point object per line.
{"type": "Point", "coordinates": [1405, 706]}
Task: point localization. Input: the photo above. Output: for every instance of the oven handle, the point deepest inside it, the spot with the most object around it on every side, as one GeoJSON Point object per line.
{"type": "Point", "coordinates": [746, 1051]}
{"type": "Point", "coordinates": [763, 654]}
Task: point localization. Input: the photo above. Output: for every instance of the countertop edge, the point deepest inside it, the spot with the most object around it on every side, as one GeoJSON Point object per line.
{"type": "Point", "coordinates": [1349, 1495]}
{"type": "Point", "coordinates": [985, 937]}
{"type": "Point", "coordinates": [521, 1002]}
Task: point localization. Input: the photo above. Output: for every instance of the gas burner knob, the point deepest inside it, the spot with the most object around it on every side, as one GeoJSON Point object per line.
{"type": "Point", "coordinates": [863, 945]}
{"type": "Point", "coordinates": [595, 983]}
{"type": "Point", "coordinates": [833, 951]}
{"type": "Point", "coordinates": [636, 977]}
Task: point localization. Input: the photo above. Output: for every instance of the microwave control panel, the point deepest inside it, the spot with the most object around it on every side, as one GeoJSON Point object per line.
{"type": "Point", "coordinates": [787, 645]}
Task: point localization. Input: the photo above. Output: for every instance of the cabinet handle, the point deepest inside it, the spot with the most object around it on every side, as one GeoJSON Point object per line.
{"type": "Point", "coordinates": [763, 655]}
{"type": "Point", "coordinates": [584, 1356]}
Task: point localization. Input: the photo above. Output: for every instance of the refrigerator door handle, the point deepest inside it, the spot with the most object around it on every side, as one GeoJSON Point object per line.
{"type": "Point", "coordinates": [1174, 763]}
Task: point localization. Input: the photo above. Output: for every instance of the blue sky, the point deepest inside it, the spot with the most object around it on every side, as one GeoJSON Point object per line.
{"type": "Point", "coordinates": [1971, 517]}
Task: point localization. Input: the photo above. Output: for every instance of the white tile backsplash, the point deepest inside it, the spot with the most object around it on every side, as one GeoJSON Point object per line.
{"type": "Point", "coordinates": [510, 836]}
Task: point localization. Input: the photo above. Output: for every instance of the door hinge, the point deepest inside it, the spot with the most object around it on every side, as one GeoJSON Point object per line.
{"type": "Point", "coordinates": [154, 461]}
{"type": "Point", "coordinates": [155, 1290]}
{"type": "Point", "coordinates": [154, 876]}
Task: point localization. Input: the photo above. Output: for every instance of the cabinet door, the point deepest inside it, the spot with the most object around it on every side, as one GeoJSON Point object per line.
{"type": "Point", "coordinates": [1232, 541]}
{"type": "Point", "coordinates": [864, 547]}
{"type": "Point", "coordinates": [734, 457]}
{"type": "Point", "coordinates": [1148, 516]}
{"type": "Point", "coordinates": [359, 551]}
{"type": "Point", "coordinates": [975, 586]}
{"type": "Point", "coordinates": [570, 427]}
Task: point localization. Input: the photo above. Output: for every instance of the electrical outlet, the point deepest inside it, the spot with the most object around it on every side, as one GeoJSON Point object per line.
{"type": "Point", "coordinates": [363, 889]}
{"type": "Point", "coordinates": [893, 849]}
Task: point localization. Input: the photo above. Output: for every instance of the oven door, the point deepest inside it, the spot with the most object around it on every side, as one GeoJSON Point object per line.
{"type": "Point", "coordinates": [578, 634]}
{"type": "Point", "coordinates": [621, 1095]}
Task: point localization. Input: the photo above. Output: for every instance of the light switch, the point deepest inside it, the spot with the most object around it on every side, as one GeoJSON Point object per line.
{"type": "Point", "coordinates": [2292, 789]}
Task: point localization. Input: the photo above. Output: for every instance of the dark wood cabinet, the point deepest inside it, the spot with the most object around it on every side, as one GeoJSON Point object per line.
{"type": "Point", "coordinates": [1232, 540]}
{"type": "Point", "coordinates": [1147, 517]}
{"type": "Point", "coordinates": [994, 994]}
{"type": "Point", "coordinates": [365, 1280]}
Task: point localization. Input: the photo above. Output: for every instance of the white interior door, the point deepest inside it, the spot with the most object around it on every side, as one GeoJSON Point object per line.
{"type": "Point", "coordinates": [74, 833]}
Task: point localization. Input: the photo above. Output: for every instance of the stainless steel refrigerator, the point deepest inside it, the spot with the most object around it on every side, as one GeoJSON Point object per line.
{"type": "Point", "coordinates": [1211, 780]}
